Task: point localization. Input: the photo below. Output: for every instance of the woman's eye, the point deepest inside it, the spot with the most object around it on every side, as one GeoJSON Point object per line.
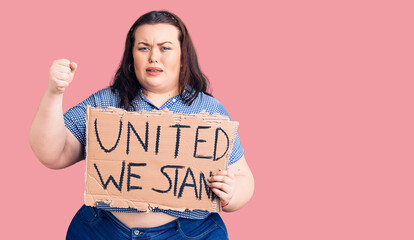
{"type": "Point", "coordinates": [165, 48]}
{"type": "Point", "coordinates": [143, 49]}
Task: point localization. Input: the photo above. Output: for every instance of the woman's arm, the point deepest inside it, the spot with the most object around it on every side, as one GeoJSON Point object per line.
{"type": "Point", "coordinates": [234, 186]}
{"type": "Point", "coordinates": [52, 143]}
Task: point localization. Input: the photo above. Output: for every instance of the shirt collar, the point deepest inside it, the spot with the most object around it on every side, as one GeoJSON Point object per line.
{"type": "Point", "coordinates": [168, 104]}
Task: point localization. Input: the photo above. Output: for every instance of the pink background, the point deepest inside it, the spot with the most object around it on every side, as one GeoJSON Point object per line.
{"type": "Point", "coordinates": [323, 91]}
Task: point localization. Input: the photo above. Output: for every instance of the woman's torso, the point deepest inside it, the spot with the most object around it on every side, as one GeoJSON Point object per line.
{"type": "Point", "coordinates": [75, 121]}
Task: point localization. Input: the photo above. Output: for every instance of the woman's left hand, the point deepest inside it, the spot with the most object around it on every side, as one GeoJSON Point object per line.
{"type": "Point", "coordinates": [223, 184]}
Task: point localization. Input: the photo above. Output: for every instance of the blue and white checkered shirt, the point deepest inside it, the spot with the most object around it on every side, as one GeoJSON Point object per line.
{"type": "Point", "coordinates": [75, 122]}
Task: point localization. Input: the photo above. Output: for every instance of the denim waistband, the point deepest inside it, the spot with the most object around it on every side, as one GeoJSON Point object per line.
{"type": "Point", "coordinates": [101, 224]}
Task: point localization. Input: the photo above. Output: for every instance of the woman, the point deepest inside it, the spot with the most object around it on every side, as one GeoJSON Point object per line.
{"type": "Point", "coordinates": [159, 70]}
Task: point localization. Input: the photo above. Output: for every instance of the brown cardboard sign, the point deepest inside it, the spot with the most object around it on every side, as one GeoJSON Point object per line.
{"type": "Point", "coordinates": [157, 159]}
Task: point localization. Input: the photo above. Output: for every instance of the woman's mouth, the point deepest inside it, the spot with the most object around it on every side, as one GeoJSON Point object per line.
{"type": "Point", "coordinates": [154, 71]}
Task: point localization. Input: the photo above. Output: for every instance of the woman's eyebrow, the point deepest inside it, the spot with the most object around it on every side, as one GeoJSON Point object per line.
{"type": "Point", "coordinates": [164, 42]}
{"type": "Point", "coordinates": [147, 44]}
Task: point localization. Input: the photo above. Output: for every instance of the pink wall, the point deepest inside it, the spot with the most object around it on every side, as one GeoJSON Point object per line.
{"type": "Point", "coordinates": [323, 92]}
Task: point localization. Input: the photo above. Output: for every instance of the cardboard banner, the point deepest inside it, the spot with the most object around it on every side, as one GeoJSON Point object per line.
{"type": "Point", "coordinates": [159, 159]}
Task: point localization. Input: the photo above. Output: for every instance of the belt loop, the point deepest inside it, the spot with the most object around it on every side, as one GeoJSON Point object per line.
{"type": "Point", "coordinates": [177, 225]}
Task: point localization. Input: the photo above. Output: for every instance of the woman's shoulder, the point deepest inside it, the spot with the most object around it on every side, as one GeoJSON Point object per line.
{"type": "Point", "coordinates": [104, 98]}
{"type": "Point", "coordinates": [211, 104]}
{"type": "Point", "coordinates": [106, 93]}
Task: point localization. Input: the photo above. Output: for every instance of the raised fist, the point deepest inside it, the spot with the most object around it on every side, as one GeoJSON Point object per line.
{"type": "Point", "coordinates": [61, 75]}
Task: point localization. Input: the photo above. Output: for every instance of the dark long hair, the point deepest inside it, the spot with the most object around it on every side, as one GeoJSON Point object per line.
{"type": "Point", "coordinates": [125, 80]}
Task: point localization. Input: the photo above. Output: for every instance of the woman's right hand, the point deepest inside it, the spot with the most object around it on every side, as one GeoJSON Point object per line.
{"type": "Point", "coordinates": [61, 75]}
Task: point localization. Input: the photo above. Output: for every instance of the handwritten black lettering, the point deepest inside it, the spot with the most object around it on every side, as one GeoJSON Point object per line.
{"type": "Point", "coordinates": [169, 179]}
{"type": "Point", "coordinates": [99, 140]}
{"type": "Point", "coordinates": [111, 179]}
{"type": "Point", "coordinates": [215, 144]}
{"type": "Point", "coordinates": [130, 165]}
{"type": "Point", "coordinates": [185, 184]}
{"type": "Point", "coordinates": [197, 140]}
{"type": "Point", "coordinates": [144, 145]}
{"type": "Point", "coordinates": [177, 143]}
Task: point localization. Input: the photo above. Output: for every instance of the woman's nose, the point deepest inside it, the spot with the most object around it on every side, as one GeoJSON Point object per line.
{"type": "Point", "coordinates": [154, 56]}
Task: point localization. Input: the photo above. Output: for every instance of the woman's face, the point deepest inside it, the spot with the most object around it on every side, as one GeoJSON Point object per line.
{"type": "Point", "coordinates": [157, 55]}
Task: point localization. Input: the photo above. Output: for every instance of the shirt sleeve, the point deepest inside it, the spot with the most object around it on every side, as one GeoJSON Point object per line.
{"type": "Point", "coordinates": [75, 119]}
{"type": "Point", "coordinates": [237, 152]}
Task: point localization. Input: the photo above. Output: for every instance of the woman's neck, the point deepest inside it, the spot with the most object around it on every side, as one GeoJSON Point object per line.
{"type": "Point", "coordinates": [159, 98]}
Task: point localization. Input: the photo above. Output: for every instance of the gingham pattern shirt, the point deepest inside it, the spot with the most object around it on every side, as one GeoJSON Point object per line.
{"type": "Point", "coordinates": [75, 122]}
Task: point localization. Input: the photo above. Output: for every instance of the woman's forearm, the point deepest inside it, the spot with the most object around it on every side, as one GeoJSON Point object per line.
{"type": "Point", "coordinates": [47, 133]}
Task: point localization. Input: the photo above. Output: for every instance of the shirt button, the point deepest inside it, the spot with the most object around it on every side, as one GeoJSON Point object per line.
{"type": "Point", "coordinates": [174, 100]}
{"type": "Point", "coordinates": [136, 232]}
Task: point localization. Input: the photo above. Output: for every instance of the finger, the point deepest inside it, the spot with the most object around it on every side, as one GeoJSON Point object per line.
{"type": "Point", "coordinates": [73, 67]}
{"type": "Point", "coordinates": [224, 197]}
{"type": "Point", "coordinates": [220, 173]}
{"type": "Point", "coordinates": [224, 179]}
{"type": "Point", "coordinates": [222, 186]}
{"type": "Point", "coordinates": [228, 173]}
{"type": "Point", "coordinates": [63, 69]}
{"type": "Point", "coordinates": [63, 62]}
{"type": "Point", "coordinates": [61, 76]}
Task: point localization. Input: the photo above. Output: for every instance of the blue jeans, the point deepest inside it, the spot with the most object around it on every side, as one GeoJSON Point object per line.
{"type": "Point", "coordinates": [93, 223]}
